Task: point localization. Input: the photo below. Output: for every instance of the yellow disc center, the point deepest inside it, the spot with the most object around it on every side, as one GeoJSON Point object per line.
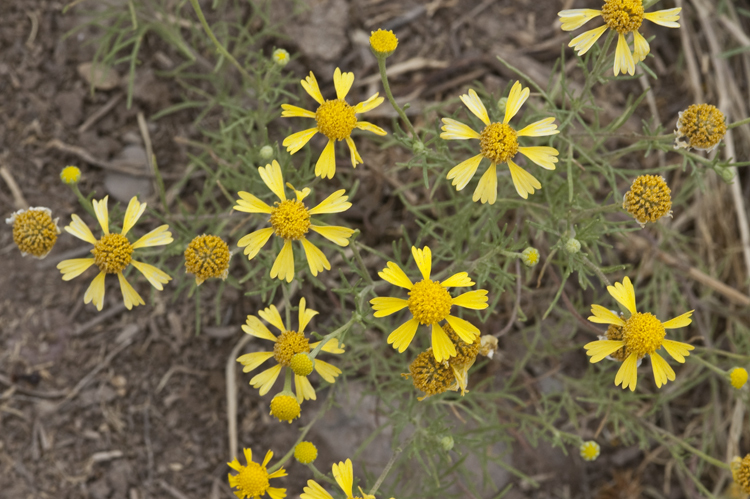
{"type": "Point", "coordinates": [207, 256]}
{"type": "Point", "coordinates": [643, 334]}
{"type": "Point", "coordinates": [336, 119]}
{"type": "Point", "coordinates": [289, 344]}
{"type": "Point", "coordinates": [253, 480]}
{"type": "Point", "coordinates": [429, 302]}
{"type": "Point", "coordinates": [498, 142]}
{"type": "Point", "coordinates": [34, 232]}
{"type": "Point", "coordinates": [290, 219]}
{"type": "Point", "coordinates": [112, 253]}
{"type": "Point", "coordinates": [623, 16]}
{"type": "Point", "coordinates": [648, 199]}
{"type": "Point", "coordinates": [703, 124]}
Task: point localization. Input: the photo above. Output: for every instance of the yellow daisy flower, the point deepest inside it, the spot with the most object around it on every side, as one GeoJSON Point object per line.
{"type": "Point", "coordinates": [498, 142]}
{"type": "Point", "coordinates": [334, 118]}
{"type": "Point", "coordinates": [642, 334]}
{"type": "Point", "coordinates": [623, 16]}
{"type": "Point", "coordinates": [429, 303]}
{"type": "Point", "coordinates": [343, 473]}
{"type": "Point", "coordinates": [113, 253]}
{"type": "Point", "coordinates": [288, 350]}
{"type": "Point", "coordinates": [252, 480]}
{"type": "Point", "coordinates": [290, 220]}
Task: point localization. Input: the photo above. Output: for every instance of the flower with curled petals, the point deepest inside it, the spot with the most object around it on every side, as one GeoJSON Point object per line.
{"type": "Point", "coordinates": [252, 480]}
{"type": "Point", "coordinates": [642, 334]}
{"type": "Point", "coordinates": [343, 473]}
{"type": "Point", "coordinates": [429, 303]}
{"type": "Point", "coordinates": [288, 347]}
{"type": "Point", "coordinates": [623, 16]}
{"type": "Point", "coordinates": [113, 253]}
{"type": "Point", "coordinates": [334, 118]}
{"type": "Point", "coordinates": [498, 142]}
{"type": "Point", "coordinates": [290, 220]}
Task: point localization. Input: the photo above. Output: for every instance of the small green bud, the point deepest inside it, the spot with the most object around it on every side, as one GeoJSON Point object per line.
{"type": "Point", "coordinates": [418, 147]}
{"type": "Point", "coordinates": [502, 103]}
{"type": "Point", "coordinates": [280, 57]}
{"type": "Point", "coordinates": [266, 152]}
{"type": "Point", "coordinates": [572, 246]}
{"type": "Point", "coordinates": [446, 443]}
{"type": "Point", "coordinates": [530, 256]}
{"type": "Point", "coordinates": [725, 173]}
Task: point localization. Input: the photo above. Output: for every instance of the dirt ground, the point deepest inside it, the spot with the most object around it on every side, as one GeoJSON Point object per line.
{"type": "Point", "coordinates": [130, 405]}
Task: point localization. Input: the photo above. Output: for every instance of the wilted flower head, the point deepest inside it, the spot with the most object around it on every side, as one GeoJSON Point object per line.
{"type": "Point", "coordinates": [700, 126]}
{"type": "Point", "coordinates": [648, 199]}
{"type": "Point", "coordinates": [34, 231]}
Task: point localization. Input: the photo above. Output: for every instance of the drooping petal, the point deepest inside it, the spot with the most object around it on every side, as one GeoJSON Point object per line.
{"type": "Point", "coordinates": [251, 361]}
{"type": "Point", "coordinates": [71, 269]}
{"type": "Point", "coordinates": [662, 370]}
{"type": "Point", "coordinates": [80, 230]}
{"type": "Point", "coordinates": [330, 346]}
{"type": "Point", "coordinates": [305, 315]}
{"type": "Point", "coordinates": [624, 62]}
{"type": "Point", "coordinates": [386, 305]}
{"type": "Point", "coordinates": [132, 214]}
{"type": "Point", "coordinates": [486, 190]}
{"type": "Point", "coordinates": [265, 380]}
{"type": "Point", "coordinates": [335, 234]}
{"type": "Point", "coordinates": [254, 327]}
{"type": "Point", "coordinates": [368, 105]}
{"type": "Point", "coordinates": [335, 203]}
{"type": "Point", "coordinates": [271, 176]}
{"type": "Point", "coordinates": [326, 165]}
{"type": "Point", "coordinates": [442, 346]}
{"type": "Point", "coordinates": [679, 321]}
{"type": "Point", "coordinates": [393, 274]}
{"type": "Point", "coordinates": [297, 141]}
{"type": "Point", "coordinates": [459, 280]}
{"type": "Point", "coordinates": [276, 492]}
{"type": "Point", "coordinates": [102, 213]}
{"type": "Point", "coordinates": [283, 267]}
{"type": "Point", "coordinates": [304, 389]}
{"type": "Point", "coordinates": [598, 350]}
{"type": "Point", "coordinates": [401, 337]}
{"type": "Point", "coordinates": [316, 260]}
{"type": "Point", "coordinates": [517, 96]}
{"type": "Point", "coordinates": [455, 130]}
{"type": "Point", "coordinates": [583, 42]}
{"type": "Point", "coordinates": [573, 19]}
{"type": "Point", "coordinates": [355, 157]}
{"type": "Point", "coordinates": [544, 156]}
{"type": "Point", "coordinates": [475, 300]}
{"type": "Point", "coordinates": [290, 111]}
{"type": "Point", "coordinates": [628, 373]}
{"type": "Point", "coordinates": [130, 296]}
{"type": "Point", "coordinates": [624, 293]}
{"type": "Point", "coordinates": [677, 349]}
{"type": "Point", "coordinates": [344, 476]}
{"type": "Point", "coordinates": [155, 276]}
{"type": "Point", "coordinates": [369, 127]}
{"type": "Point", "coordinates": [524, 182]}
{"type": "Point", "coordinates": [95, 292]}
{"type": "Point", "coordinates": [160, 236]}
{"type": "Point", "coordinates": [310, 84]}
{"type": "Point", "coordinates": [464, 171]}
{"type": "Point", "coordinates": [315, 491]}
{"type": "Point", "coordinates": [605, 316]}
{"type": "Point", "coordinates": [541, 128]}
{"type": "Point", "coordinates": [667, 17]}
{"type": "Point", "coordinates": [463, 328]}
{"type": "Point", "coordinates": [343, 82]}
{"type": "Point", "coordinates": [272, 316]}
{"type": "Point", "coordinates": [640, 47]}
{"type": "Point", "coordinates": [254, 241]}
{"type": "Point", "coordinates": [327, 371]}
{"type": "Point", "coordinates": [250, 204]}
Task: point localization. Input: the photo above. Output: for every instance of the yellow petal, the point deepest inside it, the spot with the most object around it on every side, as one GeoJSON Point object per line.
{"type": "Point", "coordinates": [315, 491]}
{"type": "Point", "coordinates": [476, 300]}
{"type": "Point", "coordinates": [598, 350]}
{"type": "Point", "coordinates": [464, 171]}
{"type": "Point", "coordinates": [677, 349]}
{"type": "Point", "coordinates": [541, 128]}
{"type": "Point", "coordinates": [423, 257]}
{"type": "Point", "coordinates": [369, 104]}
{"type": "Point", "coordinates": [605, 316]}
{"type": "Point", "coordinates": [304, 389]}
{"type": "Point", "coordinates": [130, 296]}
{"type": "Point", "coordinates": [393, 274]}
{"type": "Point", "coordinates": [310, 84]}
{"type": "Point", "coordinates": [680, 321]}
{"type": "Point", "coordinates": [265, 380]}
{"type": "Point", "coordinates": [330, 346]}
{"type": "Point", "coordinates": [276, 492]}
{"type": "Point", "coordinates": [544, 156]}
{"type": "Point", "coordinates": [624, 62]}
{"type": "Point", "coordinates": [316, 260]}
{"type": "Point", "coordinates": [102, 213]}
{"type": "Point", "coordinates": [624, 293]}
{"type": "Point", "coordinates": [132, 214]}
{"type": "Point", "coordinates": [662, 370]}
{"type": "Point", "coordinates": [640, 47]}
{"type": "Point", "coordinates": [628, 373]}
{"type": "Point", "coordinates": [402, 336]}
{"type": "Point", "coordinates": [276, 474]}
{"type": "Point", "coordinates": [283, 267]}
{"type": "Point", "coordinates": [251, 361]}
{"type": "Point", "coordinates": [583, 42]}
{"type": "Point", "coordinates": [573, 19]}
{"type": "Point", "coordinates": [369, 127]}
{"type": "Point", "coordinates": [254, 327]}
{"type": "Point", "coordinates": [335, 203]}
{"type": "Point", "coordinates": [297, 141]}
{"type": "Point", "coordinates": [254, 241]}
{"type": "Point", "coordinates": [160, 236]}
{"type": "Point", "coordinates": [272, 316]}
{"type": "Point", "coordinates": [335, 234]}
{"type": "Point", "coordinates": [95, 292]}
{"type": "Point", "coordinates": [327, 371]}
{"type": "Point", "coordinates": [267, 459]}
{"type": "Point", "coordinates": [343, 82]}
{"type": "Point", "coordinates": [524, 182]}
{"type": "Point", "coordinates": [290, 111]}
{"type": "Point", "coordinates": [459, 280]}
{"type": "Point", "coordinates": [486, 190]}
{"type": "Point", "coordinates": [386, 305]}
{"type": "Point", "coordinates": [455, 130]}
{"type": "Point", "coordinates": [71, 269]}
{"type": "Point", "coordinates": [155, 276]}
{"type": "Point", "coordinates": [305, 315]}
{"type": "Point", "coordinates": [344, 476]}
{"type": "Point", "coordinates": [271, 176]}
{"type": "Point", "coordinates": [667, 17]}
{"type": "Point", "coordinates": [355, 157]}
{"type": "Point", "coordinates": [517, 96]}
{"type": "Point", "coordinates": [472, 101]}
{"type": "Point", "coordinates": [442, 346]}
{"type": "Point", "coordinates": [250, 204]}
{"type": "Point", "coordinates": [326, 165]}
{"type": "Point", "coordinates": [463, 328]}
{"type": "Point", "coordinates": [80, 230]}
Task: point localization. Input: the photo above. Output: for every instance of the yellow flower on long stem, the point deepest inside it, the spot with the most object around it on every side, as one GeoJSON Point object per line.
{"type": "Point", "coordinates": [499, 143]}
{"type": "Point", "coordinates": [334, 118]}
{"type": "Point", "coordinates": [252, 480]}
{"type": "Point", "coordinates": [343, 473]}
{"type": "Point", "coordinates": [113, 253]}
{"type": "Point", "coordinates": [289, 350]}
{"type": "Point", "coordinates": [290, 220]}
{"type": "Point", "coordinates": [429, 303]}
{"type": "Point", "coordinates": [623, 16]}
{"type": "Point", "coordinates": [642, 334]}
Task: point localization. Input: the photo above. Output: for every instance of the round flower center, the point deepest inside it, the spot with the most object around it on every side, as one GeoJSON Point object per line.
{"type": "Point", "coordinates": [430, 376]}
{"type": "Point", "coordinates": [498, 142]}
{"type": "Point", "coordinates": [305, 452]}
{"type": "Point", "coordinates": [382, 41]}
{"type": "Point", "coordinates": [290, 219]}
{"type": "Point", "coordinates": [643, 333]}
{"type": "Point", "coordinates": [336, 119]}
{"type": "Point", "coordinates": [289, 344]}
{"type": "Point", "coordinates": [252, 480]}
{"type": "Point", "coordinates": [70, 175]}
{"type": "Point", "coordinates": [466, 353]}
{"type": "Point", "coordinates": [703, 125]}
{"type": "Point", "coordinates": [648, 199]}
{"type": "Point", "coordinates": [207, 256]}
{"type": "Point", "coordinates": [623, 16]}
{"type": "Point", "coordinates": [429, 302]}
{"type": "Point", "coordinates": [34, 232]}
{"type": "Point", "coordinates": [741, 473]}
{"type": "Point", "coordinates": [112, 253]}
{"type": "Point", "coordinates": [301, 364]}
{"type": "Point", "coordinates": [285, 407]}
{"type": "Point", "coordinates": [616, 333]}
{"type": "Point", "coordinates": [738, 377]}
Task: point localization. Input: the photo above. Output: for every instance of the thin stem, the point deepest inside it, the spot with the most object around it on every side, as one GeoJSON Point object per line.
{"type": "Point", "coordinates": [334, 334]}
{"type": "Point", "coordinates": [358, 257]}
{"type": "Point", "coordinates": [738, 123]}
{"type": "Point", "coordinates": [397, 452]}
{"type": "Point", "coordinates": [387, 87]}
{"type": "Point", "coordinates": [717, 370]}
{"type": "Point", "coordinates": [689, 448]}
{"type": "Point", "coordinates": [596, 270]}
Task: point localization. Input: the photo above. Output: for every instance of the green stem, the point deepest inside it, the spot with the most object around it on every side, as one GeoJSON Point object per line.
{"type": "Point", "coordinates": [689, 448]}
{"type": "Point", "coordinates": [717, 370]}
{"type": "Point", "coordinates": [738, 123]}
{"type": "Point", "coordinates": [334, 334]}
{"type": "Point", "coordinates": [387, 87]}
{"type": "Point", "coordinates": [596, 270]}
{"type": "Point", "coordinates": [85, 203]}
{"type": "Point", "coordinates": [397, 452]}
{"type": "Point", "coordinates": [358, 257]}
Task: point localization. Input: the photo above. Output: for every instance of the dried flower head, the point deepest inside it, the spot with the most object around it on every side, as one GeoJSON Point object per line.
{"type": "Point", "coordinates": [34, 231]}
{"type": "Point", "coordinates": [741, 472]}
{"type": "Point", "coordinates": [700, 126]}
{"type": "Point", "coordinates": [648, 199]}
{"type": "Point", "coordinates": [207, 257]}
{"type": "Point", "coordinates": [429, 375]}
{"type": "Point", "coordinates": [253, 480]}
{"type": "Point", "coordinates": [70, 175]}
{"type": "Point", "coordinates": [383, 43]}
